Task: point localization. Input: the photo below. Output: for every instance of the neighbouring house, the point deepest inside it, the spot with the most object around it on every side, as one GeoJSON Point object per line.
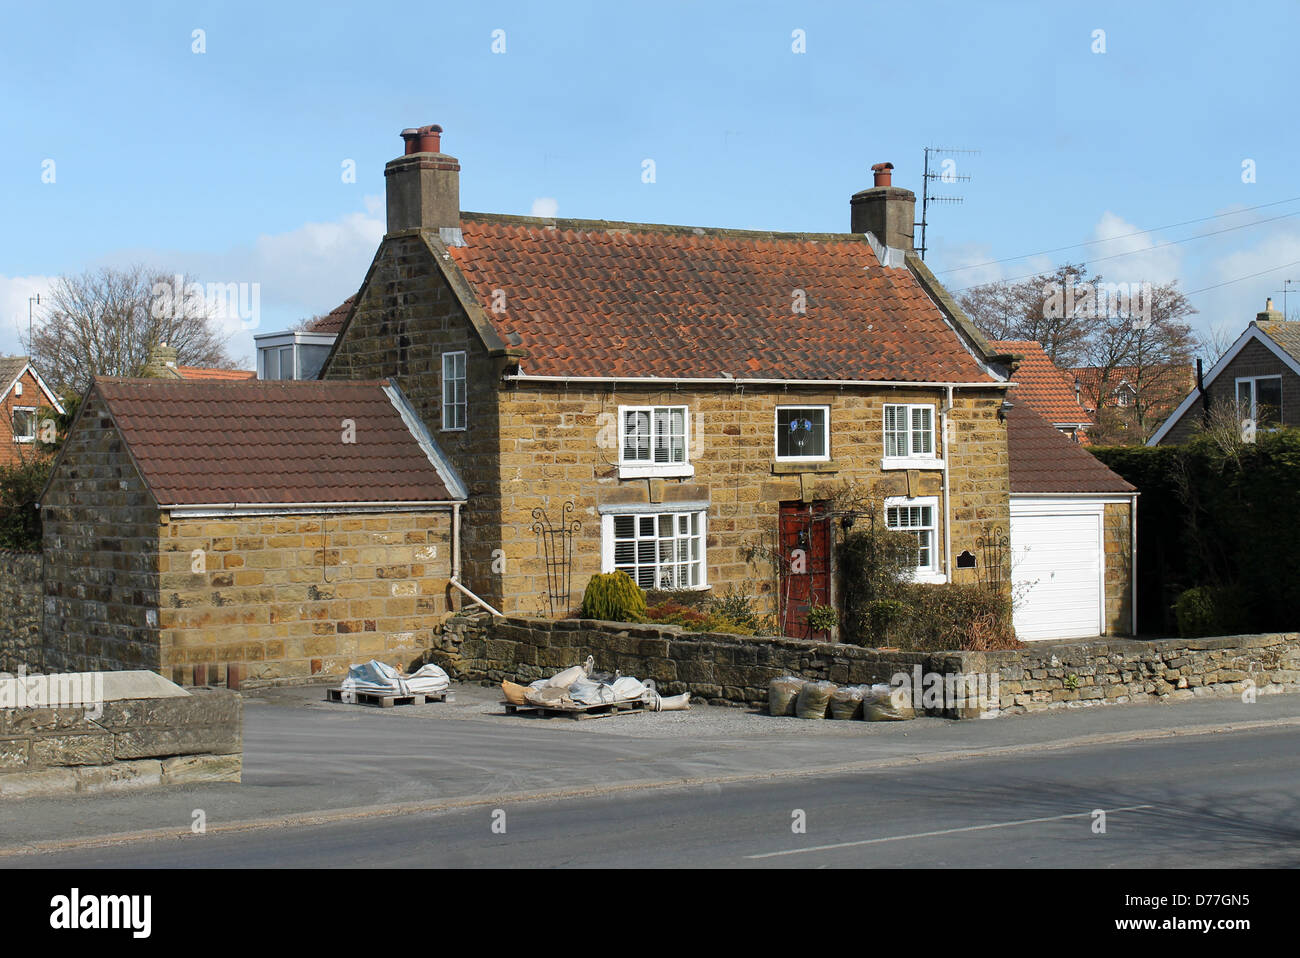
{"type": "Point", "coordinates": [287, 527]}
{"type": "Point", "coordinates": [162, 364]}
{"type": "Point", "coordinates": [1258, 378]}
{"type": "Point", "coordinates": [677, 402]}
{"type": "Point", "coordinates": [1073, 536]}
{"type": "Point", "coordinates": [1127, 402]}
{"type": "Point", "coordinates": [23, 394]}
{"type": "Point", "coordinates": [1046, 388]}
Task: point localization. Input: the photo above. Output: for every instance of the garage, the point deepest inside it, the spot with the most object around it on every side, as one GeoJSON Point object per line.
{"type": "Point", "coordinates": [1057, 569]}
{"type": "Point", "coordinates": [1072, 536]}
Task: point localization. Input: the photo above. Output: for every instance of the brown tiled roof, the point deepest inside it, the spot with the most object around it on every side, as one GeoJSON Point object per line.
{"type": "Point", "coordinates": [1286, 334]}
{"type": "Point", "coordinates": [1042, 385]}
{"type": "Point", "coordinates": [1045, 460]}
{"type": "Point", "coordinates": [587, 298]}
{"type": "Point", "coordinates": [1164, 383]}
{"type": "Point", "coordinates": [332, 321]}
{"type": "Point", "coordinates": [259, 442]}
{"type": "Point", "coordinates": [203, 373]}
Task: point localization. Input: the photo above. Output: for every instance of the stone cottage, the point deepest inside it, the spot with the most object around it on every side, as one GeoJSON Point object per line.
{"type": "Point", "coordinates": [678, 402]}
{"type": "Point", "coordinates": [284, 527]}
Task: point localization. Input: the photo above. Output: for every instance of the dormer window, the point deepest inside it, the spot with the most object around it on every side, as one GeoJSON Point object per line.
{"type": "Point", "coordinates": [653, 442]}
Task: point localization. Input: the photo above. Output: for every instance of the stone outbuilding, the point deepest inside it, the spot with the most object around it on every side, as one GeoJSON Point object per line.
{"type": "Point", "coordinates": [281, 527]}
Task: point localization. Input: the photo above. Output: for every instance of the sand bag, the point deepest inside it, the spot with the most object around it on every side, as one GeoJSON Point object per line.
{"type": "Point", "coordinates": [846, 701]}
{"type": "Point", "coordinates": [548, 696]}
{"type": "Point", "coordinates": [562, 680]}
{"type": "Point", "coordinates": [886, 704]}
{"type": "Point", "coordinates": [514, 693]}
{"type": "Point", "coordinates": [813, 699]}
{"type": "Point", "coordinates": [782, 693]}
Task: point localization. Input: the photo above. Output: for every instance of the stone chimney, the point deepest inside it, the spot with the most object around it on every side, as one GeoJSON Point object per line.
{"type": "Point", "coordinates": [1269, 315]}
{"type": "Point", "coordinates": [162, 363]}
{"type": "Point", "coordinates": [886, 211]}
{"type": "Point", "coordinates": [423, 184]}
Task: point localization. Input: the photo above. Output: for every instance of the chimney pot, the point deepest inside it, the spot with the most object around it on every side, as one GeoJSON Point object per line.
{"type": "Point", "coordinates": [885, 211]}
{"type": "Point", "coordinates": [884, 176]}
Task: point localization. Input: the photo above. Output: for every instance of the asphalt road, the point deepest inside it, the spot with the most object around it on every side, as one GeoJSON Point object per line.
{"type": "Point", "coordinates": [1211, 800]}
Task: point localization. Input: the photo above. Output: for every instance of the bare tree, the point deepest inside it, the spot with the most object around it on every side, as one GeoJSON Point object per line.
{"type": "Point", "coordinates": [1051, 308]}
{"type": "Point", "coordinates": [106, 323]}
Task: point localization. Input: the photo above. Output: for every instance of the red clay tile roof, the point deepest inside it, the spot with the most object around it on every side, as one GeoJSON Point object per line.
{"type": "Point", "coordinates": [1042, 385]}
{"type": "Point", "coordinates": [203, 373]}
{"type": "Point", "coordinates": [634, 300]}
{"type": "Point", "coordinates": [1163, 382]}
{"type": "Point", "coordinates": [332, 321]}
{"type": "Point", "coordinates": [1043, 459]}
{"type": "Point", "coordinates": [270, 442]}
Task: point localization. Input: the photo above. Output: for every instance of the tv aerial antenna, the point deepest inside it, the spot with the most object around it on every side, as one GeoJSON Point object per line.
{"type": "Point", "coordinates": [940, 166]}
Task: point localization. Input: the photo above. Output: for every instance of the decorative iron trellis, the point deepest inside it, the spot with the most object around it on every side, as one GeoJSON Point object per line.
{"type": "Point", "coordinates": [993, 548]}
{"type": "Point", "coordinates": [557, 547]}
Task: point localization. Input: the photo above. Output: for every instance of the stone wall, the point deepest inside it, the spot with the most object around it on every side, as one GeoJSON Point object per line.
{"type": "Point", "coordinates": [1117, 538]}
{"type": "Point", "coordinates": [729, 669]}
{"type": "Point", "coordinates": [130, 743]}
{"type": "Point", "coordinates": [20, 611]}
{"type": "Point", "coordinates": [275, 593]}
{"type": "Point", "coordinates": [101, 547]}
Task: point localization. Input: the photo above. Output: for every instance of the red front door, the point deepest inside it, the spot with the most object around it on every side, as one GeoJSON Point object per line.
{"type": "Point", "coordinates": [805, 541]}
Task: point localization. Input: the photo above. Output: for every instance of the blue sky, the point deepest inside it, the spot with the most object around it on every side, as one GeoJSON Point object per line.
{"type": "Point", "coordinates": [228, 163]}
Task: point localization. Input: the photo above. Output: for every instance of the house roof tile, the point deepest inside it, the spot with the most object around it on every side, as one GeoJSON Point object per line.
{"type": "Point", "coordinates": [255, 442]}
{"type": "Point", "coordinates": [1042, 385]}
{"type": "Point", "coordinates": [332, 321]}
{"type": "Point", "coordinates": [203, 373]}
{"type": "Point", "coordinates": [1286, 334]}
{"type": "Point", "coordinates": [594, 299]}
{"type": "Point", "coordinates": [1045, 460]}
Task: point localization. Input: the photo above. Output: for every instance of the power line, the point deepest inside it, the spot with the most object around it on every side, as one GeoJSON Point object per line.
{"type": "Point", "coordinates": [1138, 252]}
{"type": "Point", "coordinates": [1154, 229]}
{"type": "Point", "coordinates": [1229, 282]}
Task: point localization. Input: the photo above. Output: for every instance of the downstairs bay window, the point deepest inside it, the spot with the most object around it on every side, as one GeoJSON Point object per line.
{"type": "Point", "coordinates": [658, 549]}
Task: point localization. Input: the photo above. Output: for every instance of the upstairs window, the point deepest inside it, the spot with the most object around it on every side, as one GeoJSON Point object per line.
{"type": "Point", "coordinates": [652, 440]}
{"type": "Point", "coordinates": [454, 402]}
{"type": "Point", "coordinates": [1260, 398]}
{"type": "Point", "coordinates": [24, 424]}
{"type": "Point", "coordinates": [909, 432]}
{"type": "Point", "coordinates": [803, 433]}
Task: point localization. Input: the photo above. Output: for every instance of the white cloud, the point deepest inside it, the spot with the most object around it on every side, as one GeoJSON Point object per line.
{"type": "Point", "coordinates": [14, 291]}
{"type": "Point", "coordinates": [546, 206]}
{"type": "Point", "coordinates": [1122, 258]}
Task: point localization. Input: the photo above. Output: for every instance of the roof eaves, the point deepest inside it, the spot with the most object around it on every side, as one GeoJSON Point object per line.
{"type": "Point", "coordinates": [464, 293]}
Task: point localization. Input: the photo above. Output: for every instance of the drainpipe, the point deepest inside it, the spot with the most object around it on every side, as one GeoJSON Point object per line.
{"type": "Point", "coordinates": [454, 581]}
{"type": "Point", "coordinates": [1133, 560]}
{"type": "Point", "coordinates": [947, 469]}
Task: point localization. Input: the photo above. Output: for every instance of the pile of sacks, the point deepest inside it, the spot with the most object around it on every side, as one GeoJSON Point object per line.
{"type": "Point", "coordinates": [579, 687]}
{"type": "Point", "coordinates": [791, 695]}
{"type": "Point", "coordinates": [375, 676]}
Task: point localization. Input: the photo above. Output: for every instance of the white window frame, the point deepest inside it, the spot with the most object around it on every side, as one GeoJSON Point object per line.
{"type": "Point", "coordinates": [912, 460]}
{"type": "Point", "coordinates": [608, 555]}
{"type": "Point", "coordinates": [826, 433]}
{"type": "Point", "coordinates": [929, 573]}
{"type": "Point", "coordinates": [1254, 394]}
{"type": "Point", "coordinates": [640, 469]}
{"type": "Point", "coordinates": [13, 422]}
{"type": "Point", "coordinates": [463, 379]}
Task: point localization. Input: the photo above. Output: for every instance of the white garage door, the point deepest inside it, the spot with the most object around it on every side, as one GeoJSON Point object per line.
{"type": "Point", "coordinates": [1057, 568]}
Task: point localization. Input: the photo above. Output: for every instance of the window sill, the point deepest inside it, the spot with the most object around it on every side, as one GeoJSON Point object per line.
{"type": "Point", "coordinates": [790, 467]}
{"type": "Point", "coordinates": [657, 471]}
{"type": "Point", "coordinates": [930, 578]}
{"type": "Point", "coordinates": [911, 462]}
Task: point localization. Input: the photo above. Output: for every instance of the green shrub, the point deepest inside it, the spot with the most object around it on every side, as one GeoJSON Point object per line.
{"type": "Point", "coordinates": [736, 605]}
{"type": "Point", "coordinates": [1207, 610]}
{"type": "Point", "coordinates": [20, 487]}
{"type": "Point", "coordinates": [933, 618]}
{"type": "Point", "coordinates": [613, 597]}
{"type": "Point", "coordinates": [823, 618]}
{"type": "Point", "coordinates": [875, 563]}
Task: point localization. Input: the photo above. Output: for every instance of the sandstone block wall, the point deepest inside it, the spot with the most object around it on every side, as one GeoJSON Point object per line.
{"type": "Point", "coordinates": [276, 592]}
{"type": "Point", "coordinates": [20, 611]}
{"type": "Point", "coordinates": [729, 669]}
{"type": "Point", "coordinates": [129, 743]}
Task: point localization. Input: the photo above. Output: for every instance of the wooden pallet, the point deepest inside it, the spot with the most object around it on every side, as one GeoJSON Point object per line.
{"type": "Point", "coordinates": [578, 711]}
{"type": "Point", "coordinates": [384, 700]}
